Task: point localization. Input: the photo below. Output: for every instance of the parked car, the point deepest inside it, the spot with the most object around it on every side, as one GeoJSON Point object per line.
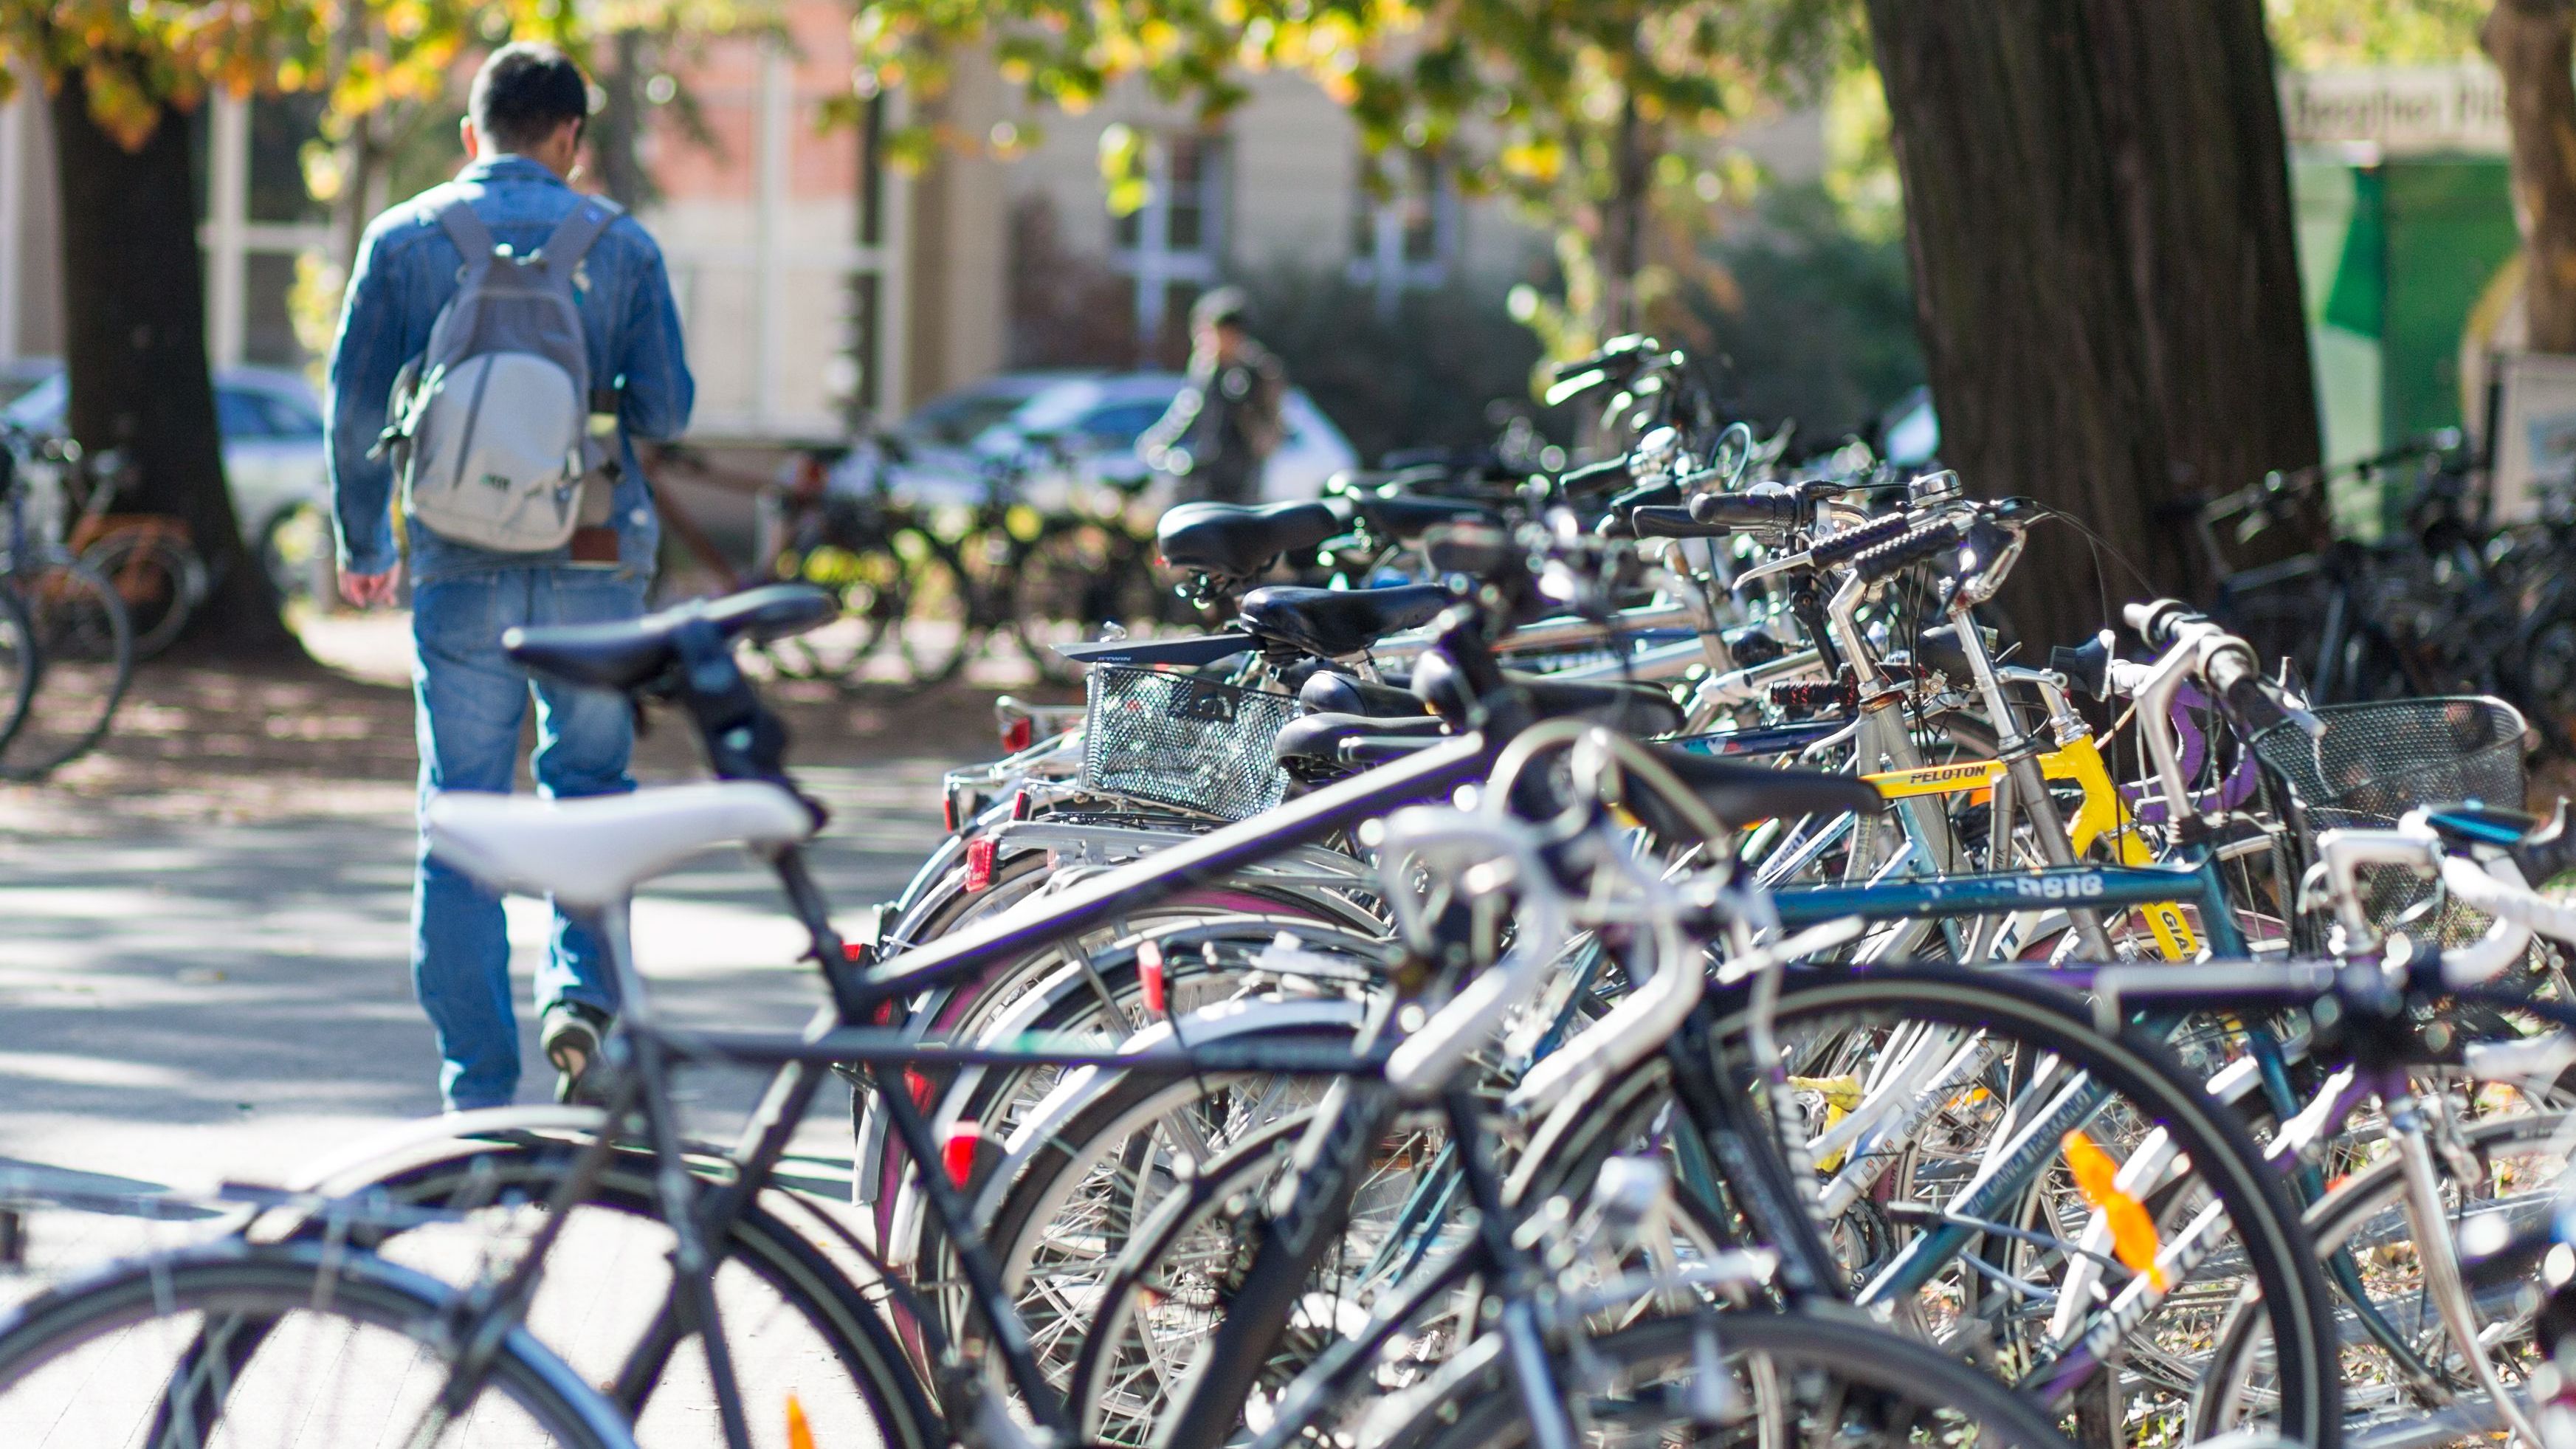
{"type": "Point", "coordinates": [1083, 427]}
{"type": "Point", "coordinates": [274, 461]}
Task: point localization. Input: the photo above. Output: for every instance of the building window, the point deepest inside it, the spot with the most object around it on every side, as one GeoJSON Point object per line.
{"type": "Point", "coordinates": [1404, 229]}
{"type": "Point", "coordinates": [257, 220]}
{"type": "Point", "coordinates": [781, 237]}
{"type": "Point", "coordinates": [1171, 248]}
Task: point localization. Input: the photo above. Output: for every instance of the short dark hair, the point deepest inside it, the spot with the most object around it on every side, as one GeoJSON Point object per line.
{"type": "Point", "coordinates": [524, 91]}
{"type": "Point", "coordinates": [1224, 307]}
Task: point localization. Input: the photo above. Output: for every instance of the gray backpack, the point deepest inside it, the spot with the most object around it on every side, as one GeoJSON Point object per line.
{"type": "Point", "coordinates": [489, 428]}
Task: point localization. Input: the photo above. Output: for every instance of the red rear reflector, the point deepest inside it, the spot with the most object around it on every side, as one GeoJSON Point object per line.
{"type": "Point", "coordinates": [1018, 735]}
{"type": "Point", "coordinates": [958, 1152]}
{"type": "Point", "coordinates": [979, 862]}
{"type": "Point", "coordinates": [920, 1087]}
{"type": "Point", "coordinates": [948, 813]}
{"type": "Point", "coordinates": [1020, 806]}
{"type": "Point", "coordinates": [1149, 974]}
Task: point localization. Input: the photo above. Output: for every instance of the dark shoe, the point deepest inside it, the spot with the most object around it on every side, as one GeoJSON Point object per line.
{"type": "Point", "coordinates": [571, 1039]}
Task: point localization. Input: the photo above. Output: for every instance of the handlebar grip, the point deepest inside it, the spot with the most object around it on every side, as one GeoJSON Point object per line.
{"type": "Point", "coordinates": [1749, 510]}
{"type": "Point", "coordinates": [1595, 477]}
{"type": "Point", "coordinates": [1911, 548]}
{"type": "Point", "coordinates": [1853, 542]}
{"type": "Point", "coordinates": [1650, 521]}
{"type": "Point", "coordinates": [2156, 622]}
{"type": "Point", "coordinates": [1623, 347]}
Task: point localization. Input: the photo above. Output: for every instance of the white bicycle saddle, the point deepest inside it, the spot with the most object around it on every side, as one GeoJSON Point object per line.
{"type": "Point", "coordinates": [594, 851]}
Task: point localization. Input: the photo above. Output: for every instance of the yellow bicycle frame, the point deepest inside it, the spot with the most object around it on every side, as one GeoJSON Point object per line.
{"type": "Point", "coordinates": [2102, 813]}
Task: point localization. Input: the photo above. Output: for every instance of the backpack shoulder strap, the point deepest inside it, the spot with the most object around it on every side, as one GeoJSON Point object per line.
{"type": "Point", "coordinates": [570, 241]}
{"type": "Point", "coordinates": [473, 239]}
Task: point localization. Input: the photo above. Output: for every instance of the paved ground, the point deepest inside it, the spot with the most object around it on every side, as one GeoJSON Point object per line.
{"type": "Point", "coordinates": [204, 933]}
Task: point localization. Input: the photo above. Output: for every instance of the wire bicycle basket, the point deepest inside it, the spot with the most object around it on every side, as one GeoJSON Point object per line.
{"type": "Point", "coordinates": [1182, 741]}
{"type": "Point", "coordinates": [2378, 760]}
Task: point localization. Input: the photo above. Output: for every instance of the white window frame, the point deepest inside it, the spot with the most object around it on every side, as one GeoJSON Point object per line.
{"type": "Point", "coordinates": [1152, 263]}
{"type": "Point", "coordinates": [230, 238]}
{"type": "Point", "coordinates": [774, 251]}
{"type": "Point", "coordinates": [1385, 267]}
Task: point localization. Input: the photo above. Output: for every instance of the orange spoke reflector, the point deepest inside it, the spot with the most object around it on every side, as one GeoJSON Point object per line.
{"type": "Point", "coordinates": [2133, 1233]}
{"type": "Point", "coordinates": [800, 1434]}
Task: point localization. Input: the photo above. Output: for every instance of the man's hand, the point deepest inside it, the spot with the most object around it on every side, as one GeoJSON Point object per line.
{"type": "Point", "coordinates": [368, 590]}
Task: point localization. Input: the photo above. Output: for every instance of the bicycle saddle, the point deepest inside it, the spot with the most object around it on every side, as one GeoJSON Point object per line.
{"type": "Point", "coordinates": [595, 851]}
{"type": "Point", "coordinates": [1336, 622]}
{"type": "Point", "coordinates": [631, 653]}
{"type": "Point", "coordinates": [2540, 848]}
{"type": "Point", "coordinates": [1359, 480]}
{"type": "Point", "coordinates": [1407, 516]}
{"type": "Point", "coordinates": [1325, 692]}
{"type": "Point", "coordinates": [1636, 709]}
{"type": "Point", "coordinates": [1740, 795]}
{"type": "Point", "coordinates": [1312, 745]}
{"type": "Point", "coordinates": [1237, 541]}
{"type": "Point", "coordinates": [1938, 648]}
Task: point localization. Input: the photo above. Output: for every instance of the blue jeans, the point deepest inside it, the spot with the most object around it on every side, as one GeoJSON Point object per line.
{"type": "Point", "coordinates": [471, 700]}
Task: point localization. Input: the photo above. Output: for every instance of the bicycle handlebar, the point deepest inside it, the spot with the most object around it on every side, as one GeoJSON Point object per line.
{"type": "Point", "coordinates": [1781, 510]}
{"type": "Point", "coordinates": [1849, 544]}
{"type": "Point", "coordinates": [1913, 547]}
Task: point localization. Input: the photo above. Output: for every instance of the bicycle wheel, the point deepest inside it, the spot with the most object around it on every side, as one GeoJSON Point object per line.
{"type": "Point", "coordinates": [84, 652]}
{"type": "Point", "coordinates": [1805, 1380]}
{"type": "Point", "coordinates": [2418, 1388]}
{"type": "Point", "coordinates": [356, 1350]}
{"type": "Point", "coordinates": [20, 664]}
{"type": "Point", "coordinates": [869, 584]}
{"type": "Point", "coordinates": [1950, 1070]}
{"type": "Point", "coordinates": [296, 552]}
{"type": "Point", "coordinates": [792, 1316]}
{"type": "Point", "coordinates": [161, 580]}
{"type": "Point", "coordinates": [941, 621]}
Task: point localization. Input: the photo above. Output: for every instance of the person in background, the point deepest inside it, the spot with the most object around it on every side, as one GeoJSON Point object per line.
{"type": "Point", "coordinates": [1224, 425]}
{"type": "Point", "coordinates": [522, 137]}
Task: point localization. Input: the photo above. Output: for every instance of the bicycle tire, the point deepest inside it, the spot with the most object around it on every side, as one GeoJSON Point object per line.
{"type": "Point", "coordinates": [819, 1293]}
{"type": "Point", "coordinates": [1076, 577]}
{"type": "Point", "coordinates": [304, 1286]}
{"type": "Point", "coordinates": [296, 556]}
{"type": "Point", "coordinates": [2277, 1252]}
{"type": "Point", "coordinates": [84, 650]}
{"type": "Point", "coordinates": [1849, 1375]}
{"type": "Point", "coordinates": [2350, 1210]}
{"type": "Point", "coordinates": [20, 667]}
{"type": "Point", "coordinates": [942, 619]}
{"type": "Point", "coordinates": [160, 580]}
{"type": "Point", "coordinates": [868, 584]}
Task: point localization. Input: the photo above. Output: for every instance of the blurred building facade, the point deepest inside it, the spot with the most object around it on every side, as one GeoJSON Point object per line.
{"type": "Point", "coordinates": [821, 286]}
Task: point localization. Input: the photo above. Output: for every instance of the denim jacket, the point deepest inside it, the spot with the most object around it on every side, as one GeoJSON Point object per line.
{"type": "Point", "coordinates": [407, 269]}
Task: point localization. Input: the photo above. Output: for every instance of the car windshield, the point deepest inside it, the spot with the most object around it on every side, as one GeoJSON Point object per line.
{"type": "Point", "coordinates": [1119, 425]}
{"type": "Point", "coordinates": [1098, 413]}
{"type": "Point", "coordinates": [954, 421]}
{"type": "Point", "coordinates": [41, 410]}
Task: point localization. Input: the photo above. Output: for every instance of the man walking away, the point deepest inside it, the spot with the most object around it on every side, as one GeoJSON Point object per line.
{"type": "Point", "coordinates": [504, 340]}
{"type": "Point", "coordinates": [1224, 425]}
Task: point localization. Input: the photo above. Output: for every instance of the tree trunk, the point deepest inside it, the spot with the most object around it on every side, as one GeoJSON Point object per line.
{"type": "Point", "coordinates": [2098, 214]}
{"type": "Point", "coordinates": [2530, 41]}
{"type": "Point", "coordinates": [1623, 221]}
{"type": "Point", "coordinates": [135, 344]}
{"type": "Point", "coordinates": [617, 132]}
